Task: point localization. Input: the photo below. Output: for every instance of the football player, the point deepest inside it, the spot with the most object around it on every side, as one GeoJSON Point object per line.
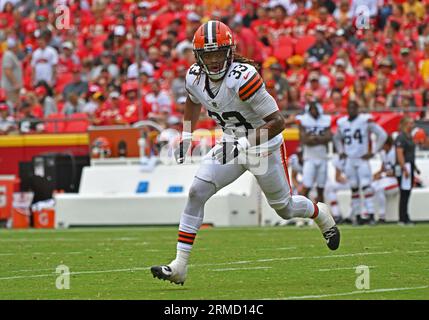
{"type": "Point", "coordinates": [352, 142]}
{"type": "Point", "coordinates": [229, 87]}
{"type": "Point", "coordinates": [296, 163]}
{"type": "Point", "coordinates": [385, 182]}
{"type": "Point", "coordinates": [332, 188]}
{"type": "Point", "coordinates": [315, 134]}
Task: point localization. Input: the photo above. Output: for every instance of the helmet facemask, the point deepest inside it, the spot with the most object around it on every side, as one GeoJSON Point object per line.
{"type": "Point", "coordinates": [215, 62]}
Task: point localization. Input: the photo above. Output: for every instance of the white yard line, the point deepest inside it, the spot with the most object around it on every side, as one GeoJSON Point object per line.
{"type": "Point", "coordinates": [345, 268]}
{"type": "Point", "coordinates": [41, 253]}
{"type": "Point", "coordinates": [75, 273]}
{"type": "Point", "coordinates": [32, 270]}
{"type": "Point", "coordinates": [27, 277]}
{"type": "Point", "coordinates": [238, 269]}
{"type": "Point", "coordinates": [349, 293]}
{"type": "Point", "coordinates": [68, 239]}
{"type": "Point", "coordinates": [417, 251]}
{"type": "Point", "coordinates": [224, 263]}
{"type": "Point", "coordinates": [275, 249]}
{"type": "Point", "coordinates": [293, 258]}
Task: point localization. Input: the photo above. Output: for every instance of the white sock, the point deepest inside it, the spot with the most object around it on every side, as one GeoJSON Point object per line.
{"type": "Point", "coordinates": [182, 258]}
{"type": "Point", "coordinates": [324, 220]}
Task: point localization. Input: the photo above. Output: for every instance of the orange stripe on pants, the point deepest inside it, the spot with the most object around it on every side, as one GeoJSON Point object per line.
{"type": "Point", "coordinates": [284, 162]}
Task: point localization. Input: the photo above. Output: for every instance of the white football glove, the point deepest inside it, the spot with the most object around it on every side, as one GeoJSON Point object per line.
{"type": "Point", "coordinates": [230, 150]}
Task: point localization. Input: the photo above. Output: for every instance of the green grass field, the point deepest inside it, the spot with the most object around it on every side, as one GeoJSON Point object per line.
{"type": "Point", "coordinates": [227, 263]}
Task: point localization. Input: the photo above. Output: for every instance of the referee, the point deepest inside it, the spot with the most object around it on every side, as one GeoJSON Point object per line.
{"type": "Point", "coordinates": [405, 158]}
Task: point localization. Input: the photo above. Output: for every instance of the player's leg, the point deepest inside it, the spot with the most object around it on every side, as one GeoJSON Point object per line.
{"type": "Point", "coordinates": [308, 176]}
{"type": "Point", "coordinates": [210, 178]}
{"type": "Point", "coordinates": [352, 177]}
{"type": "Point", "coordinates": [332, 200]}
{"type": "Point", "coordinates": [276, 186]}
{"type": "Point", "coordinates": [386, 186]}
{"type": "Point", "coordinates": [321, 178]}
{"type": "Point", "coordinates": [365, 180]}
{"type": "Point", "coordinates": [380, 198]}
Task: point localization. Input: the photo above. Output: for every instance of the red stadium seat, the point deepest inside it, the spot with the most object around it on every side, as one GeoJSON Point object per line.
{"type": "Point", "coordinates": [390, 122]}
{"type": "Point", "coordinates": [77, 122]}
{"type": "Point", "coordinates": [63, 80]}
{"type": "Point", "coordinates": [60, 106]}
{"type": "Point", "coordinates": [304, 43]}
{"type": "Point", "coordinates": [283, 52]}
{"type": "Point", "coordinates": [54, 123]}
{"type": "Point", "coordinates": [285, 41]}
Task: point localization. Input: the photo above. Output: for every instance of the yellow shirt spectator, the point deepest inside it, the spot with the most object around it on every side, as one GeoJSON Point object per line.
{"type": "Point", "coordinates": [369, 88]}
{"type": "Point", "coordinates": [424, 69]}
{"type": "Point", "coordinates": [217, 4]}
{"type": "Point", "coordinates": [416, 6]}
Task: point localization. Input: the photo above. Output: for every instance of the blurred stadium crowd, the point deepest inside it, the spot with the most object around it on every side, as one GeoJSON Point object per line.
{"type": "Point", "coordinates": [119, 61]}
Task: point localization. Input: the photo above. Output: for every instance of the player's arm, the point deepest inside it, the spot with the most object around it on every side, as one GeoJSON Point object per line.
{"type": "Point", "coordinates": [325, 137]}
{"type": "Point", "coordinates": [379, 132]}
{"type": "Point", "coordinates": [254, 93]}
{"type": "Point", "coordinates": [338, 142]}
{"type": "Point", "coordinates": [377, 175]}
{"type": "Point", "coordinates": [191, 115]}
{"type": "Point", "coordinates": [339, 176]}
{"type": "Point", "coordinates": [274, 125]}
{"type": "Point", "coordinates": [306, 138]}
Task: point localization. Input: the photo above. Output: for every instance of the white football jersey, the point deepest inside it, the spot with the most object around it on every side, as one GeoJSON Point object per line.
{"type": "Point", "coordinates": [231, 107]}
{"type": "Point", "coordinates": [355, 135]}
{"type": "Point", "coordinates": [389, 159]}
{"type": "Point", "coordinates": [294, 163]}
{"type": "Point", "coordinates": [314, 126]}
{"type": "Point", "coordinates": [339, 164]}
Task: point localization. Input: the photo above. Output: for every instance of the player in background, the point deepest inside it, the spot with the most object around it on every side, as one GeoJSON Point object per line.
{"type": "Point", "coordinates": [295, 163]}
{"type": "Point", "coordinates": [229, 87]}
{"type": "Point", "coordinates": [352, 142]}
{"type": "Point", "coordinates": [385, 182]}
{"type": "Point", "coordinates": [315, 134]}
{"type": "Point", "coordinates": [332, 188]}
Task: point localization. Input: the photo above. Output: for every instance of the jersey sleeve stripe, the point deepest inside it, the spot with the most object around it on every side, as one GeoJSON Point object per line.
{"type": "Point", "coordinates": [247, 85]}
{"type": "Point", "coordinates": [252, 90]}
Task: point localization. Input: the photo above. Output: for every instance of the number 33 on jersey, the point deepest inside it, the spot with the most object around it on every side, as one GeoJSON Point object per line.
{"type": "Point", "coordinates": [231, 107]}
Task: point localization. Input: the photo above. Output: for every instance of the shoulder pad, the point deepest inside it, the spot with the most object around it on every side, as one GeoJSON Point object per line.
{"type": "Point", "coordinates": [244, 79]}
{"type": "Point", "coordinates": [341, 120]}
{"type": "Point", "coordinates": [326, 119]}
{"type": "Point", "coordinates": [369, 118]}
{"type": "Point", "coordinates": [192, 74]}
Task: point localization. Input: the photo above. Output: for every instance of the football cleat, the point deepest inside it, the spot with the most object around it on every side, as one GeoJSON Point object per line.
{"type": "Point", "coordinates": [359, 221]}
{"type": "Point", "coordinates": [172, 273]}
{"type": "Point", "coordinates": [371, 220]}
{"type": "Point", "coordinates": [332, 237]}
{"type": "Point", "coordinates": [327, 226]}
